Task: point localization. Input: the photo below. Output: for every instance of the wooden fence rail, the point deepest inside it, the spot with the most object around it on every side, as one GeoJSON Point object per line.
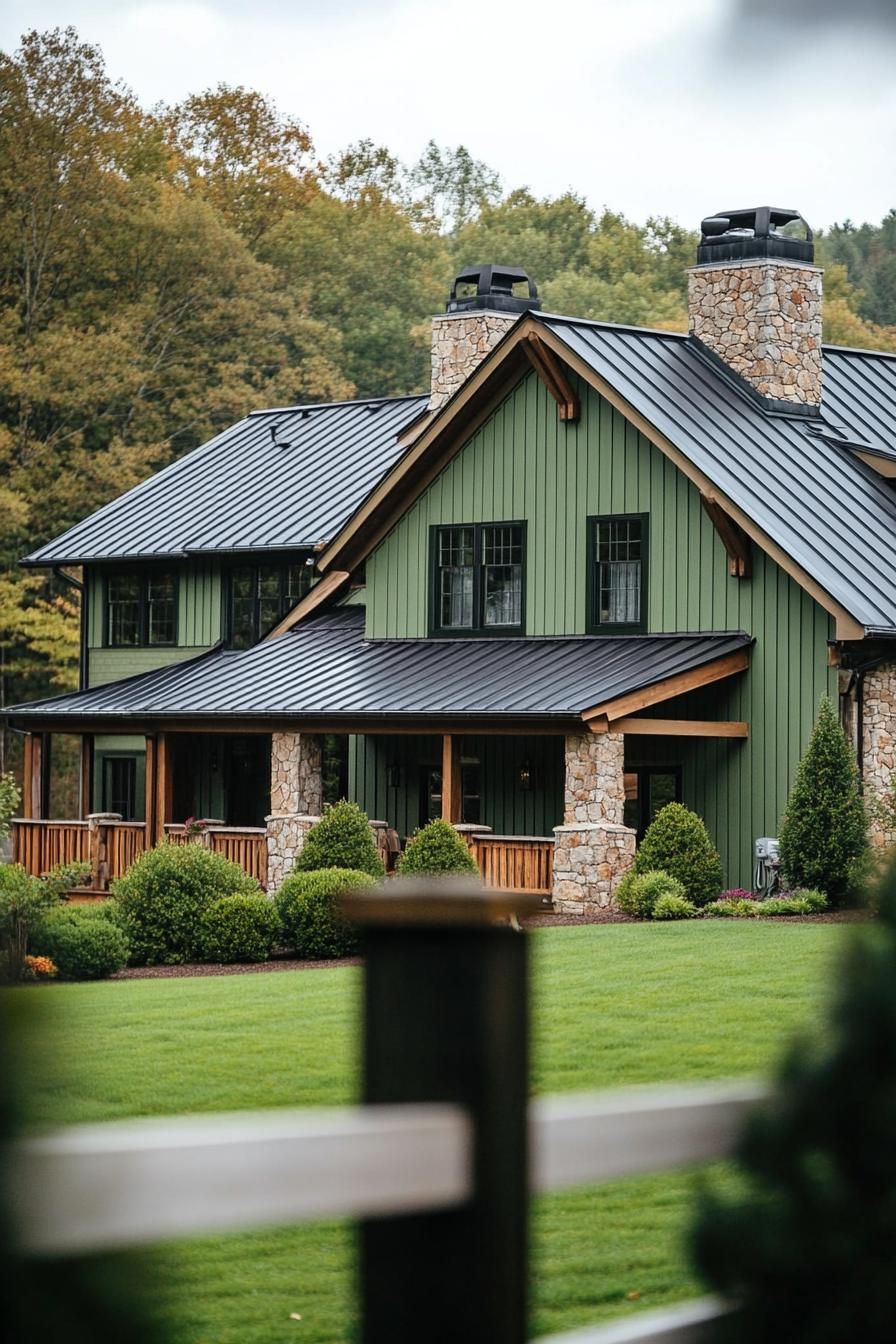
{"type": "Point", "coordinates": [446, 1138]}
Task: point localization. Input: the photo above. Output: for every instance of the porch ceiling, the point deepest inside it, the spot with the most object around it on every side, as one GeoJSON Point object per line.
{"type": "Point", "coordinates": [325, 672]}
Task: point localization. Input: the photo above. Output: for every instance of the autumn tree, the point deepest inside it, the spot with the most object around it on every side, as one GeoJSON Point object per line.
{"type": "Point", "coordinates": [236, 151]}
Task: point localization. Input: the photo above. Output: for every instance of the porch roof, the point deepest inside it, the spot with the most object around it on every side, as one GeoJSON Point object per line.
{"type": "Point", "coordinates": [326, 672]}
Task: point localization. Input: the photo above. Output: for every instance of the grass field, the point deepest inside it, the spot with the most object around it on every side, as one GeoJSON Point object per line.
{"type": "Point", "coordinates": [612, 1005]}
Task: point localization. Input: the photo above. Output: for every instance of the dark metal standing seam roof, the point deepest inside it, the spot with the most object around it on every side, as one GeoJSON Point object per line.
{"type": "Point", "coordinates": [241, 491]}
{"type": "Point", "coordinates": [326, 669]}
{"type": "Point", "coordinates": [832, 514]}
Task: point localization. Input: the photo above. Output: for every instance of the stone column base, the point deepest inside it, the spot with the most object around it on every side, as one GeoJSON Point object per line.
{"type": "Point", "coordinates": [589, 860]}
{"type": "Point", "coordinates": [286, 837]}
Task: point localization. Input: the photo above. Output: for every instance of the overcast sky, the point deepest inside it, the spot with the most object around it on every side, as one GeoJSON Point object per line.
{"type": "Point", "coordinates": [678, 107]}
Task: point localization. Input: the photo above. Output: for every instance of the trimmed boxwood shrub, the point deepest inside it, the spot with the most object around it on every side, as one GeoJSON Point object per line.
{"type": "Point", "coordinates": [437, 848]}
{"type": "Point", "coordinates": [341, 839]}
{"type": "Point", "coordinates": [240, 928]}
{"type": "Point", "coordinates": [312, 925]}
{"type": "Point", "coordinates": [638, 893]}
{"type": "Point", "coordinates": [84, 943]}
{"type": "Point", "coordinates": [164, 896]}
{"type": "Point", "coordinates": [670, 906]}
{"type": "Point", "coordinates": [824, 834]}
{"type": "Point", "coordinates": [678, 843]}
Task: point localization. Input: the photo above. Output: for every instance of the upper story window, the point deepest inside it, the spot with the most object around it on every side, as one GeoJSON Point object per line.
{"type": "Point", "coordinates": [617, 573]}
{"type": "Point", "coordinates": [260, 596]}
{"type": "Point", "coordinates": [141, 609]}
{"type": "Point", "coordinates": [478, 583]}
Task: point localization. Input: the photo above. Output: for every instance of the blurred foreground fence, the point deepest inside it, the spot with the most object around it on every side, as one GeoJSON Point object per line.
{"type": "Point", "coordinates": [438, 1162]}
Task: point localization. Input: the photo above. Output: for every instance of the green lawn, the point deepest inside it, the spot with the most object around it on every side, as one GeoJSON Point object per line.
{"type": "Point", "coordinates": [612, 1005]}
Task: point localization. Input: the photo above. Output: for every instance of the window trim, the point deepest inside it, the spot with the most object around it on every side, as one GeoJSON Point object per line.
{"type": "Point", "coordinates": [143, 573]}
{"type": "Point", "coordinates": [593, 624]}
{"type": "Point", "coordinates": [477, 630]}
{"type": "Point", "coordinates": [297, 560]}
{"type": "Point", "coordinates": [644, 771]}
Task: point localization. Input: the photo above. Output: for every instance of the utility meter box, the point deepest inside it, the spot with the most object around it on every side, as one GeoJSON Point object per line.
{"type": "Point", "coordinates": [766, 847]}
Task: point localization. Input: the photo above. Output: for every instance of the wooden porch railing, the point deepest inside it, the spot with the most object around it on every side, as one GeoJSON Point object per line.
{"type": "Point", "coordinates": [244, 845]}
{"type": "Point", "coordinates": [39, 845]}
{"type": "Point", "coordinates": [514, 862]}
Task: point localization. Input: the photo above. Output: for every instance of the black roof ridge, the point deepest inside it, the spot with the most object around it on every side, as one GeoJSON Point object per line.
{"type": "Point", "coordinates": [609, 326]}
{"type": "Point", "coordinates": [857, 350]}
{"type": "Point", "coordinates": [328, 405]}
{"type": "Point", "coordinates": [686, 336]}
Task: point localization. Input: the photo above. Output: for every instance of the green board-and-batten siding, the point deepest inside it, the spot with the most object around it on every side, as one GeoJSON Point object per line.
{"type": "Point", "coordinates": [199, 607]}
{"type": "Point", "coordinates": [524, 463]}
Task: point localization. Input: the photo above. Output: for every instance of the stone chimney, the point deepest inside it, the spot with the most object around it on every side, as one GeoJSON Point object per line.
{"type": "Point", "coordinates": [754, 302]}
{"type": "Point", "coordinates": [481, 308]}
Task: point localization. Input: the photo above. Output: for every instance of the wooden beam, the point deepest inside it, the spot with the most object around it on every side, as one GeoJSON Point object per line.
{"type": "Point", "coordinates": [150, 791]}
{"type": "Point", "coordinates": [85, 781]}
{"type": "Point", "coordinates": [328, 586]}
{"type": "Point", "coordinates": [549, 370]}
{"type": "Point", "coordinates": [732, 537]}
{"type": "Point", "coordinates": [164, 786]}
{"type": "Point", "coordinates": [680, 727]}
{"type": "Point", "coordinates": [680, 684]}
{"type": "Point", "coordinates": [28, 777]}
{"type": "Point", "coordinates": [452, 798]}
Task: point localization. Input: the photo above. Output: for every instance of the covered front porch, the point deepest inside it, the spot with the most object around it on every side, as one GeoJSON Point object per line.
{"type": "Point", "coordinates": [550, 755]}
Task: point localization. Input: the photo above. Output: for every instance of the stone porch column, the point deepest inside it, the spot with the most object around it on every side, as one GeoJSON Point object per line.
{"type": "Point", "coordinates": [296, 800]}
{"type": "Point", "coordinates": [879, 746]}
{"type": "Point", "coordinates": [592, 849]}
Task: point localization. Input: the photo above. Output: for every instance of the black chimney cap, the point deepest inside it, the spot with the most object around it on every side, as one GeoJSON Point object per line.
{"type": "Point", "coordinates": [494, 289]}
{"type": "Point", "coordinates": [733, 235]}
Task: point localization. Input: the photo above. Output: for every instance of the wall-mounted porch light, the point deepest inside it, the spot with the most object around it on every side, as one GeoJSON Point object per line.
{"type": "Point", "coordinates": [526, 775]}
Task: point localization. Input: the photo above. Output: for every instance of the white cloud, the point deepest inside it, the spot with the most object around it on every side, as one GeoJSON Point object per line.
{"type": "Point", "coordinates": [647, 107]}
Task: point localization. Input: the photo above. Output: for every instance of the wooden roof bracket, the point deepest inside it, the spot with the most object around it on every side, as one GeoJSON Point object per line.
{"type": "Point", "coordinates": [549, 370]}
{"type": "Point", "coordinates": [732, 537]}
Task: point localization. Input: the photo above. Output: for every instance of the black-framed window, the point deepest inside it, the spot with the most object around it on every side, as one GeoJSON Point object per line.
{"type": "Point", "coordinates": [120, 785]}
{"type": "Point", "coordinates": [479, 577]}
{"type": "Point", "coordinates": [471, 793]}
{"type": "Point", "coordinates": [648, 788]}
{"type": "Point", "coordinates": [617, 573]}
{"type": "Point", "coordinates": [261, 595]}
{"type": "Point", "coordinates": [140, 609]}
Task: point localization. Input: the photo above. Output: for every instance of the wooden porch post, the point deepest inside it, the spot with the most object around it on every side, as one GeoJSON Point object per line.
{"type": "Point", "coordinates": [164, 785]}
{"type": "Point", "coordinates": [33, 777]}
{"type": "Point", "coordinates": [149, 790]}
{"type": "Point", "coordinates": [452, 799]}
{"type": "Point", "coordinates": [85, 787]}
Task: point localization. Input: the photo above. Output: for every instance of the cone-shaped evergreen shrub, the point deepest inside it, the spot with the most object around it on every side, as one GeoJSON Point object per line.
{"type": "Point", "coordinates": [824, 834]}
{"type": "Point", "coordinates": [437, 848]}
{"type": "Point", "coordinates": [341, 839]}
{"type": "Point", "coordinates": [678, 843]}
{"type": "Point", "coordinates": [806, 1239]}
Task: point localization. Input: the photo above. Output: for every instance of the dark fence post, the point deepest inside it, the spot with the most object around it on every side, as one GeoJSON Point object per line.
{"type": "Point", "coordinates": [446, 1019]}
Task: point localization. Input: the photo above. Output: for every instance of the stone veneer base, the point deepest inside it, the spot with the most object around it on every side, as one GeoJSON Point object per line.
{"type": "Point", "coordinates": [589, 861]}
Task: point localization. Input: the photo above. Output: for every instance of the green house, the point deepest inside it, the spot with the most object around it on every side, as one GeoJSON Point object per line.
{"type": "Point", "coordinates": [596, 569]}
